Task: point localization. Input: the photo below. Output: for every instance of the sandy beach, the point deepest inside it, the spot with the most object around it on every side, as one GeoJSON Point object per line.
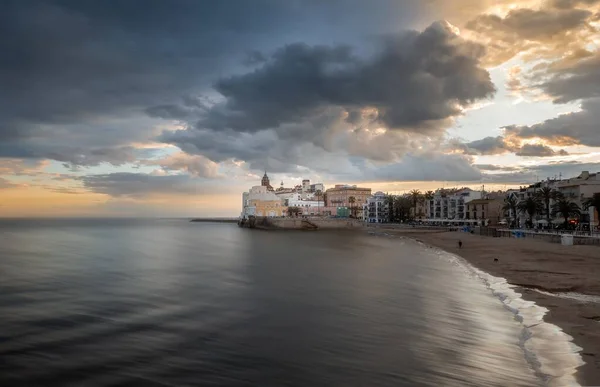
{"type": "Point", "coordinates": [539, 267]}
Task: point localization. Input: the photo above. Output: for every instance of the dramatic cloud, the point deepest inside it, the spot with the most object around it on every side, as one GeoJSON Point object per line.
{"type": "Point", "coordinates": [140, 185]}
{"type": "Point", "coordinates": [574, 78]}
{"type": "Point", "coordinates": [417, 81]}
{"type": "Point", "coordinates": [487, 146]}
{"type": "Point", "coordinates": [433, 167]}
{"type": "Point", "coordinates": [581, 127]}
{"type": "Point", "coordinates": [195, 165]}
{"type": "Point", "coordinates": [539, 150]}
{"type": "Point", "coordinates": [69, 66]}
{"type": "Point", "coordinates": [498, 145]}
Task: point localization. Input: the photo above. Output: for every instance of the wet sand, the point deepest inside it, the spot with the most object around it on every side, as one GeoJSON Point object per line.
{"type": "Point", "coordinates": [539, 267]}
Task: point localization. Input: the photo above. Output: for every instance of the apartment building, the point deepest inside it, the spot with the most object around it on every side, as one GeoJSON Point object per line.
{"type": "Point", "coordinates": [376, 210]}
{"type": "Point", "coordinates": [340, 195]}
{"type": "Point", "coordinates": [450, 204]}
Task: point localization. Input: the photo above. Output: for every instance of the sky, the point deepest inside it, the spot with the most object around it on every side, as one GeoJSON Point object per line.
{"type": "Point", "coordinates": [175, 107]}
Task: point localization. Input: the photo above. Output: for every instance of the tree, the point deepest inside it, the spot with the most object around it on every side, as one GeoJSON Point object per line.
{"type": "Point", "coordinates": [546, 194]}
{"type": "Point", "coordinates": [415, 196]}
{"type": "Point", "coordinates": [352, 200]}
{"type": "Point", "coordinates": [293, 211]}
{"type": "Point", "coordinates": [531, 206]}
{"type": "Point", "coordinates": [389, 202]}
{"type": "Point", "coordinates": [429, 195]}
{"type": "Point", "coordinates": [510, 205]}
{"type": "Point", "coordinates": [594, 201]}
{"type": "Point", "coordinates": [566, 208]}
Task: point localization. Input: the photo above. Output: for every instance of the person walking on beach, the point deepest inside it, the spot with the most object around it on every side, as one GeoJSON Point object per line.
{"type": "Point", "coordinates": [459, 244]}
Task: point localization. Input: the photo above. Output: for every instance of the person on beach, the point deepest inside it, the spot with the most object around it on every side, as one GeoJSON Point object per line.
{"type": "Point", "coordinates": [459, 244]}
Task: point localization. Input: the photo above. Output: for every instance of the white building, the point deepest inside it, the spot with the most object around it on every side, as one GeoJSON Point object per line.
{"type": "Point", "coordinates": [449, 205]}
{"type": "Point", "coordinates": [261, 201]}
{"type": "Point", "coordinates": [576, 189]}
{"type": "Point", "coordinates": [307, 207]}
{"type": "Point", "coordinates": [376, 209]}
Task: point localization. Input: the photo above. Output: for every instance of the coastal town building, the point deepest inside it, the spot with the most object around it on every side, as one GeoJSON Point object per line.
{"type": "Point", "coordinates": [576, 189]}
{"type": "Point", "coordinates": [376, 209]}
{"type": "Point", "coordinates": [449, 205]}
{"type": "Point", "coordinates": [486, 212]}
{"type": "Point", "coordinates": [260, 201]}
{"type": "Point", "coordinates": [341, 194]}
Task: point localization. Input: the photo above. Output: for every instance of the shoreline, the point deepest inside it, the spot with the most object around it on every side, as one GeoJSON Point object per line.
{"type": "Point", "coordinates": [561, 279]}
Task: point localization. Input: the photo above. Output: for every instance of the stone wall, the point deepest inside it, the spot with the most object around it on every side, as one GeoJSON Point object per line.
{"type": "Point", "coordinates": [302, 223]}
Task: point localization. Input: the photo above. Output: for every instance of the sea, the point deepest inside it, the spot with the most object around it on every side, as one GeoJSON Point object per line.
{"type": "Point", "coordinates": [168, 302]}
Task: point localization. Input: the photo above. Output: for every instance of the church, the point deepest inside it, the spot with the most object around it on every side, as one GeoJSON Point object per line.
{"type": "Point", "coordinates": [262, 201]}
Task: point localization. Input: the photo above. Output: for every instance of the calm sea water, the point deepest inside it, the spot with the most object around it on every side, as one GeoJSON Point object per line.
{"type": "Point", "coordinates": [173, 303]}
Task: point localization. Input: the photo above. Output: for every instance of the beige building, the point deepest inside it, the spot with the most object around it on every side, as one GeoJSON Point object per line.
{"type": "Point", "coordinates": [487, 212]}
{"type": "Point", "coordinates": [261, 201]}
{"type": "Point", "coordinates": [340, 195]}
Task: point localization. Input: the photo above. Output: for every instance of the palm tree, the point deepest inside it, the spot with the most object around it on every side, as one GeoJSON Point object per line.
{"type": "Point", "coordinates": [531, 206]}
{"type": "Point", "coordinates": [594, 201]}
{"type": "Point", "coordinates": [415, 195]}
{"type": "Point", "coordinates": [510, 205]}
{"type": "Point", "coordinates": [403, 205]}
{"type": "Point", "coordinates": [546, 194]}
{"type": "Point", "coordinates": [352, 200]}
{"type": "Point", "coordinates": [566, 208]}
{"type": "Point", "coordinates": [429, 195]}
{"type": "Point", "coordinates": [390, 202]}
{"type": "Point", "coordinates": [293, 211]}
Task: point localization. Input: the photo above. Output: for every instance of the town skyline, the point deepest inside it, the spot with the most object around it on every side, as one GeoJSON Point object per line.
{"type": "Point", "coordinates": [177, 107]}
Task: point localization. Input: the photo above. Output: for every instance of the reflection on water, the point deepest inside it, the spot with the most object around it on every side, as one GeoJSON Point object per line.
{"type": "Point", "coordinates": [167, 302]}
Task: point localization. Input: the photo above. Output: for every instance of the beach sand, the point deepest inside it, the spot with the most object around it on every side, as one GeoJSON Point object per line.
{"type": "Point", "coordinates": [535, 266]}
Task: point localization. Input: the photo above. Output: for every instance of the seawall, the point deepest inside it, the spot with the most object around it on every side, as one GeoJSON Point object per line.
{"type": "Point", "coordinates": [302, 223]}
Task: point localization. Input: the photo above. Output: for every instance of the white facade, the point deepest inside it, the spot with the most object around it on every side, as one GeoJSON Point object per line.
{"type": "Point", "coordinates": [376, 209]}
{"type": "Point", "coordinates": [260, 194]}
{"type": "Point", "coordinates": [450, 206]}
{"type": "Point", "coordinates": [307, 207]}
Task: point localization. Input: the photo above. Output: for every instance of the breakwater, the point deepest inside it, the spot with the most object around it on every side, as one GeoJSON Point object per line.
{"type": "Point", "coordinates": [215, 220]}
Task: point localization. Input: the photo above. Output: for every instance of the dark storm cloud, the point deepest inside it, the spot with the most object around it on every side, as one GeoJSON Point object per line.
{"type": "Point", "coordinates": [414, 80]}
{"type": "Point", "coordinates": [576, 80]}
{"type": "Point", "coordinates": [539, 150]}
{"type": "Point", "coordinates": [487, 146]}
{"type": "Point", "coordinates": [67, 65]}
{"type": "Point", "coordinates": [580, 127]}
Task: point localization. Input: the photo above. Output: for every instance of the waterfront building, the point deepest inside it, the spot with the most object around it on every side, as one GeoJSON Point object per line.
{"type": "Point", "coordinates": [576, 189]}
{"type": "Point", "coordinates": [485, 212]}
{"type": "Point", "coordinates": [376, 209]}
{"type": "Point", "coordinates": [449, 204]}
{"type": "Point", "coordinates": [340, 195]}
{"type": "Point", "coordinates": [260, 201]}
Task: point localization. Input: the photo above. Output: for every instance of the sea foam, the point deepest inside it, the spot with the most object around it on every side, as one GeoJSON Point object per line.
{"type": "Point", "coordinates": [549, 350]}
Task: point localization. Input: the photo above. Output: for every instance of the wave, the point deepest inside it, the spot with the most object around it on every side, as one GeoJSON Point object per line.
{"type": "Point", "coordinates": [549, 351]}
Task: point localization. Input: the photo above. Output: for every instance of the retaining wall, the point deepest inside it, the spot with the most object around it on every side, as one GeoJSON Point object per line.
{"type": "Point", "coordinates": [302, 223]}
